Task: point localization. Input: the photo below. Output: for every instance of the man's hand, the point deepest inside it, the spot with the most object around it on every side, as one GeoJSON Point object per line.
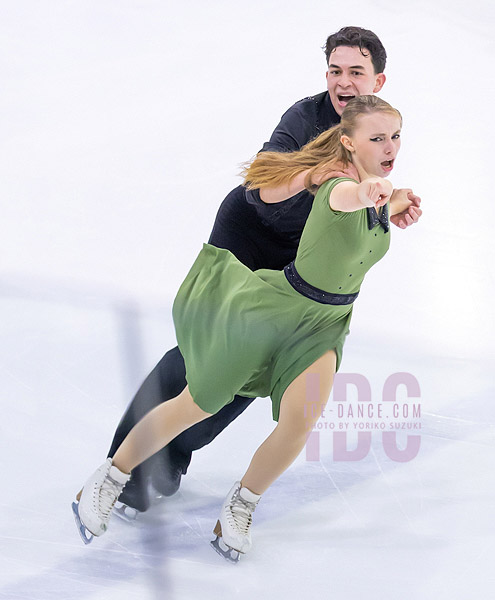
{"type": "Point", "coordinates": [404, 208]}
{"type": "Point", "coordinates": [330, 170]}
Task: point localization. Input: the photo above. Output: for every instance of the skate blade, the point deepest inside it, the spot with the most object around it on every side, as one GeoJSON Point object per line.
{"type": "Point", "coordinates": [80, 527]}
{"type": "Point", "coordinates": [126, 513]}
{"type": "Point", "coordinates": [226, 551]}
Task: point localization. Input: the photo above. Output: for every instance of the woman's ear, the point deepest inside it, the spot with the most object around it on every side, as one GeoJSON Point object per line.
{"type": "Point", "coordinates": [347, 143]}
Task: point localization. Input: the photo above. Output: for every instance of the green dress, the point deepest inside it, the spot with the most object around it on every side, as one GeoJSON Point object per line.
{"type": "Point", "coordinates": [251, 333]}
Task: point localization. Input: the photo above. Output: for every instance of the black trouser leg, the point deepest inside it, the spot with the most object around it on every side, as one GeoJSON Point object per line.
{"type": "Point", "coordinates": [197, 436]}
{"type": "Point", "coordinates": [166, 381]}
{"type": "Point", "coordinates": [237, 228]}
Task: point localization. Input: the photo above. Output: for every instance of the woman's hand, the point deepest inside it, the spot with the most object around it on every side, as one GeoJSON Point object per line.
{"type": "Point", "coordinates": [330, 170]}
{"type": "Point", "coordinates": [375, 191]}
{"type": "Point", "coordinates": [404, 208]}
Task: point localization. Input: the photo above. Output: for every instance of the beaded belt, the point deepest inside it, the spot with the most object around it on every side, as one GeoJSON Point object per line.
{"type": "Point", "coordinates": [314, 293]}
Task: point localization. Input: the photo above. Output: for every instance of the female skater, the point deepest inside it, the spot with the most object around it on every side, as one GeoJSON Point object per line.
{"type": "Point", "coordinates": [283, 325]}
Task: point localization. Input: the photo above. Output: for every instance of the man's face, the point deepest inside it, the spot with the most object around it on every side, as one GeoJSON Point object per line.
{"type": "Point", "coordinates": [351, 74]}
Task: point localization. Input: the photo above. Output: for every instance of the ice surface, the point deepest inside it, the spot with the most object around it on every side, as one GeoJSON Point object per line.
{"type": "Point", "coordinates": [123, 127]}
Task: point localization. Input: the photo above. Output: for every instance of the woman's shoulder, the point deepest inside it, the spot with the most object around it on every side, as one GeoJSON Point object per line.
{"type": "Point", "coordinates": [322, 197]}
{"type": "Point", "coordinates": [326, 188]}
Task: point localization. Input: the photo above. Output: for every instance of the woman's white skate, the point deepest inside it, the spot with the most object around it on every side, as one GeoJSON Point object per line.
{"type": "Point", "coordinates": [232, 528]}
{"type": "Point", "coordinates": [96, 500]}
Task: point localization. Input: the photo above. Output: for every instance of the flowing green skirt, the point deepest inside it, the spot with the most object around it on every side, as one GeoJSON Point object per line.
{"type": "Point", "coordinates": [249, 333]}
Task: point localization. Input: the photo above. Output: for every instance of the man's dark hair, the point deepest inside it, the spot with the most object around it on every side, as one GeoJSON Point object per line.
{"type": "Point", "coordinates": [364, 39]}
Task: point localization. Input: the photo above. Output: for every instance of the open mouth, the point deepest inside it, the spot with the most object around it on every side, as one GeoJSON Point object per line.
{"type": "Point", "coordinates": [388, 164]}
{"type": "Point", "coordinates": [344, 98]}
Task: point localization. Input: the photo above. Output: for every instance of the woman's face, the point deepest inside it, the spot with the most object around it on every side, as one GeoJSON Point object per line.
{"type": "Point", "coordinates": [375, 143]}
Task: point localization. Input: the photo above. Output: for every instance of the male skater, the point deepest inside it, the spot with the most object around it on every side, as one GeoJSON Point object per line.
{"type": "Point", "coordinates": [261, 234]}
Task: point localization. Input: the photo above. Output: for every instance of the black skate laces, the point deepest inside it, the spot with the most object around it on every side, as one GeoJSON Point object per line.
{"type": "Point", "coordinates": [241, 512]}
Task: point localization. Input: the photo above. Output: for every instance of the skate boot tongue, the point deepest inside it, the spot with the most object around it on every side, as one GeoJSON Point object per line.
{"type": "Point", "coordinates": [248, 495]}
{"type": "Point", "coordinates": [242, 506]}
{"type": "Point", "coordinates": [118, 476]}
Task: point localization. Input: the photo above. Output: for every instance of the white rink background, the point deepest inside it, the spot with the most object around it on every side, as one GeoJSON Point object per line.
{"type": "Point", "coordinates": [122, 127]}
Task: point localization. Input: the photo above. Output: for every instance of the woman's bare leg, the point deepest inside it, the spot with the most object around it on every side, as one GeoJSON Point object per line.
{"type": "Point", "coordinates": [298, 414]}
{"type": "Point", "coordinates": [156, 429]}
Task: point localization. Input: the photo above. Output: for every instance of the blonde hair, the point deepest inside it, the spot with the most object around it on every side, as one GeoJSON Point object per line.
{"type": "Point", "coordinates": [324, 153]}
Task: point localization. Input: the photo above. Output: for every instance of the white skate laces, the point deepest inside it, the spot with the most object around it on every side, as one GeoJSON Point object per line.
{"type": "Point", "coordinates": [97, 499]}
{"type": "Point", "coordinates": [109, 492]}
{"type": "Point", "coordinates": [233, 526]}
{"type": "Point", "coordinates": [240, 513]}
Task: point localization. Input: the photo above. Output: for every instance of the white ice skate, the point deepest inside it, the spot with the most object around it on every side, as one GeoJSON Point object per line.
{"type": "Point", "coordinates": [232, 528]}
{"type": "Point", "coordinates": [96, 500]}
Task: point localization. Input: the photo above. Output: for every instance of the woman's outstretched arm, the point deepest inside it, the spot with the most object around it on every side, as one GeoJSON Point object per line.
{"type": "Point", "coordinates": [349, 196]}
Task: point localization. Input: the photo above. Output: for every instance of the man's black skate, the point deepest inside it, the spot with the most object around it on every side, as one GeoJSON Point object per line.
{"type": "Point", "coordinates": [136, 495]}
{"type": "Point", "coordinates": [167, 481]}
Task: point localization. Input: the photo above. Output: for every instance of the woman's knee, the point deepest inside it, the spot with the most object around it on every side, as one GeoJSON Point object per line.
{"type": "Point", "coordinates": [194, 412]}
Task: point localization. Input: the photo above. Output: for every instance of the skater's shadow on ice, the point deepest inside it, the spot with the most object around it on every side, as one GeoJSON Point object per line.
{"type": "Point", "coordinates": [140, 550]}
{"type": "Point", "coordinates": [102, 568]}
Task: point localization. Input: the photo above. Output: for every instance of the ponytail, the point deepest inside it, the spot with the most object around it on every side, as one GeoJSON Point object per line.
{"type": "Point", "coordinates": [271, 169]}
